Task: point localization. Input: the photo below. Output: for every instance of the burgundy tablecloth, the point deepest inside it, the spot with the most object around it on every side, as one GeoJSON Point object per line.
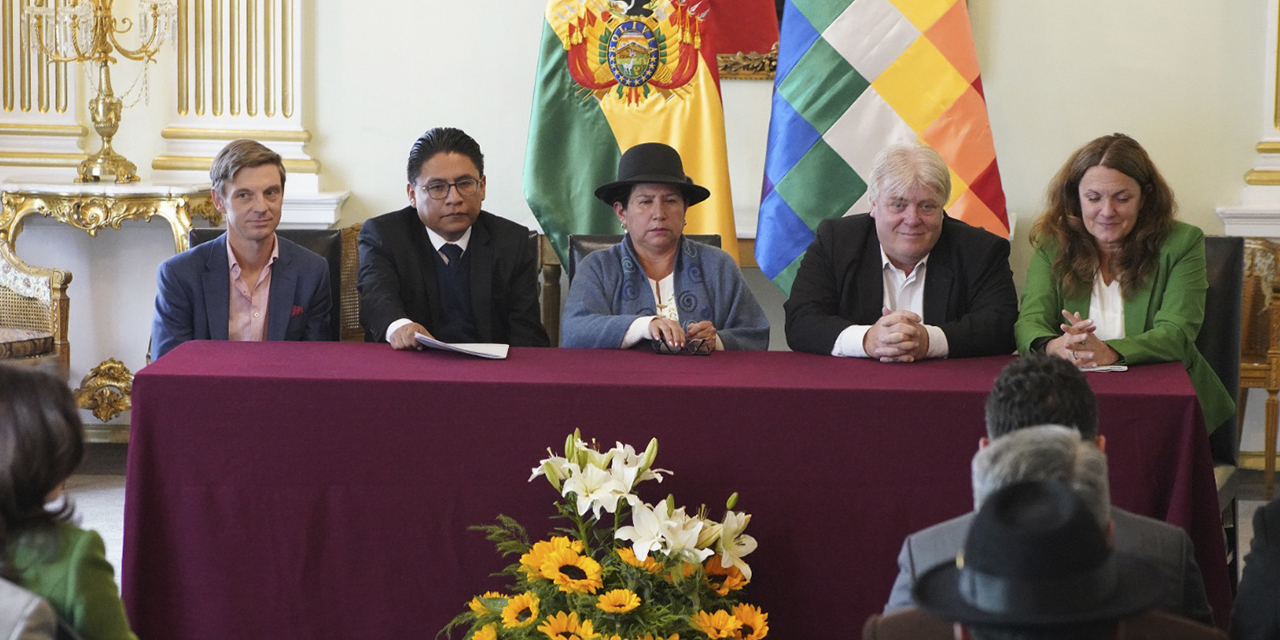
{"type": "Point", "coordinates": [293, 490]}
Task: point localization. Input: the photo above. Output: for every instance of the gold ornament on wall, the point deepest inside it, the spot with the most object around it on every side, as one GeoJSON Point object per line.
{"type": "Point", "coordinates": [748, 66]}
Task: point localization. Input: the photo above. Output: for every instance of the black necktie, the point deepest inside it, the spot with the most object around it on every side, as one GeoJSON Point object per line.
{"type": "Point", "coordinates": [452, 253]}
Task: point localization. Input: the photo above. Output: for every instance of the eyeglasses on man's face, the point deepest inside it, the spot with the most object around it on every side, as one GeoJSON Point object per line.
{"type": "Point", "coordinates": [440, 190]}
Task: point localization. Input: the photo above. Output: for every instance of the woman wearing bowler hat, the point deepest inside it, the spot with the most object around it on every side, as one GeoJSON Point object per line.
{"type": "Point", "coordinates": [657, 286]}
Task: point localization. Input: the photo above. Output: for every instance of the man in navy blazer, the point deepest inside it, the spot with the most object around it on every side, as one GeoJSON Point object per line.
{"type": "Point", "coordinates": [904, 282]}
{"type": "Point", "coordinates": [249, 283]}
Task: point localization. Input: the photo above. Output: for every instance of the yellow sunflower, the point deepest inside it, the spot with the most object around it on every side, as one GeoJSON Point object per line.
{"type": "Point", "coordinates": [674, 636]}
{"type": "Point", "coordinates": [531, 562]}
{"type": "Point", "coordinates": [478, 607]}
{"type": "Point", "coordinates": [618, 601]}
{"type": "Point", "coordinates": [521, 611]}
{"type": "Point", "coordinates": [720, 624]}
{"type": "Point", "coordinates": [755, 625]}
{"type": "Point", "coordinates": [566, 627]}
{"type": "Point", "coordinates": [573, 573]}
{"type": "Point", "coordinates": [487, 632]}
{"type": "Point", "coordinates": [628, 556]}
{"type": "Point", "coordinates": [722, 580]}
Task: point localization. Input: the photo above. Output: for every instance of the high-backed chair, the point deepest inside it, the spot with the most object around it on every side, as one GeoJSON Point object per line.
{"type": "Point", "coordinates": [1260, 343]}
{"type": "Point", "coordinates": [33, 312]}
{"type": "Point", "coordinates": [549, 285]}
{"type": "Point", "coordinates": [338, 248]}
{"type": "Point", "coordinates": [1219, 342]}
{"type": "Point", "coordinates": [580, 246]}
{"type": "Point", "coordinates": [349, 299]}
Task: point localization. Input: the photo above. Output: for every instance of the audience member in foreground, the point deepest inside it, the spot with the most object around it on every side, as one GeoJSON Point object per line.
{"type": "Point", "coordinates": [1034, 390]}
{"type": "Point", "coordinates": [443, 267]}
{"type": "Point", "coordinates": [656, 285]}
{"type": "Point", "coordinates": [1256, 613]}
{"type": "Point", "coordinates": [1115, 279]}
{"type": "Point", "coordinates": [41, 443]}
{"type": "Point", "coordinates": [1035, 565]}
{"type": "Point", "coordinates": [904, 282]}
{"type": "Point", "coordinates": [249, 283]}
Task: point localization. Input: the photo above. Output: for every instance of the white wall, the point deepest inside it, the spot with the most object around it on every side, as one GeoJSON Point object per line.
{"type": "Point", "coordinates": [1185, 78]}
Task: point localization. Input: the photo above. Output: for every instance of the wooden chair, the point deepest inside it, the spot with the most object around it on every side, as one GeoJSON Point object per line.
{"type": "Point", "coordinates": [348, 299]}
{"type": "Point", "coordinates": [1260, 343]}
{"type": "Point", "coordinates": [549, 287]}
{"type": "Point", "coordinates": [33, 312]}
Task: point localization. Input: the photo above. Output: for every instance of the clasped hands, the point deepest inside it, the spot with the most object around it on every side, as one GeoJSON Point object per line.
{"type": "Point", "coordinates": [1079, 344]}
{"type": "Point", "coordinates": [670, 332]}
{"type": "Point", "coordinates": [898, 336]}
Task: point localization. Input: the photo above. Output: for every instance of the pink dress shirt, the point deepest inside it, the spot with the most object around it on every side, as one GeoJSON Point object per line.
{"type": "Point", "coordinates": [247, 320]}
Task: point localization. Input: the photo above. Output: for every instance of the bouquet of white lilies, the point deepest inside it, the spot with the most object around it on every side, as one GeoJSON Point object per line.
{"type": "Point", "coordinates": [666, 575]}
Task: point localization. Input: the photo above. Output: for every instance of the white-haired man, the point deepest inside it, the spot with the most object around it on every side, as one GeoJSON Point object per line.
{"type": "Point", "coordinates": [904, 282]}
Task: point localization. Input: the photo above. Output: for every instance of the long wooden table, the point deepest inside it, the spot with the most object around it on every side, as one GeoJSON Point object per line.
{"type": "Point", "coordinates": [294, 490]}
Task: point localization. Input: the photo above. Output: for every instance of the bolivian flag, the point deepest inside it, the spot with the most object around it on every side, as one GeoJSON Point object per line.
{"type": "Point", "coordinates": [612, 75]}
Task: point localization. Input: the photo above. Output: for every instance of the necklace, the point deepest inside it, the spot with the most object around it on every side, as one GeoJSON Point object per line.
{"type": "Point", "coordinates": [657, 297]}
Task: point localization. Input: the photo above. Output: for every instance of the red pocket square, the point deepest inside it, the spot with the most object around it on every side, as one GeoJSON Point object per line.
{"type": "Point", "coordinates": [297, 311]}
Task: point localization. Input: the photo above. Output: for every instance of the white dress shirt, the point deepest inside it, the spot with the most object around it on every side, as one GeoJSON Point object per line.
{"type": "Point", "coordinates": [902, 292]}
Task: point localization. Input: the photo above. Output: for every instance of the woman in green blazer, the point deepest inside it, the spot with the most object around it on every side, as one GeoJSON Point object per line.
{"type": "Point", "coordinates": [1115, 279]}
{"type": "Point", "coordinates": [41, 443]}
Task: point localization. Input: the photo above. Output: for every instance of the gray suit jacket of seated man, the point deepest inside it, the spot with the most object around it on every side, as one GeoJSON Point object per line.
{"type": "Point", "coordinates": [1160, 543]}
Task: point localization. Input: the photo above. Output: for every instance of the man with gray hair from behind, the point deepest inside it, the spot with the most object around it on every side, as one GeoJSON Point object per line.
{"type": "Point", "coordinates": [1055, 454]}
{"type": "Point", "coordinates": [1037, 390]}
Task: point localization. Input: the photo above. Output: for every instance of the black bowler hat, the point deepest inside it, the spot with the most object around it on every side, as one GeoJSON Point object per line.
{"type": "Point", "coordinates": [652, 163]}
{"type": "Point", "coordinates": [1036, 556]}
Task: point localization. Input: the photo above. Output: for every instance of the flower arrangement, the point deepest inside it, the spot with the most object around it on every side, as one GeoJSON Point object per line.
{"type": "Point", "coordinates": [667, 575]}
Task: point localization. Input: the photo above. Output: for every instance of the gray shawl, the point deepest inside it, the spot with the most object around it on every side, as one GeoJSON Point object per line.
{"type": "Point", "coordinates": [610, 290]}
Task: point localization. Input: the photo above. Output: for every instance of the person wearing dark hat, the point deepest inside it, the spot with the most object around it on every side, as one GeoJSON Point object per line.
{"type": "Point", "coordinates": [904, 282]}
{"type": "Point", "coordinates": [1035, 565]}
{"type": "Point", "coordinates": [443, 267]}
{"type": "Point", "coordinates": [1039, 389]}
{"type": "Point", "coordinates": [656, 285]}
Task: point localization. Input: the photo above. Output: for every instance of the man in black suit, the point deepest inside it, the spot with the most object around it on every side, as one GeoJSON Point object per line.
{"type": "Point", "coordinates": [443, 267]}
{"type": "Point", "coordinates": [903, 282]}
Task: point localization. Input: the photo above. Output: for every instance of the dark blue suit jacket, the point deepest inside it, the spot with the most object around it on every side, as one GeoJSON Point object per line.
{"type": "Point", "coordinates": [193, 299]}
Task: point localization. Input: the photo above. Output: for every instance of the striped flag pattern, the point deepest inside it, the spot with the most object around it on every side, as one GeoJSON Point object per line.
{"type": "Point", "coordinates": [855, 76]}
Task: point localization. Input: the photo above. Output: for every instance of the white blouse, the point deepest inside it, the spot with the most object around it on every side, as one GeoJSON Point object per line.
{"type": "Point", "coordinates": [1106, 309]}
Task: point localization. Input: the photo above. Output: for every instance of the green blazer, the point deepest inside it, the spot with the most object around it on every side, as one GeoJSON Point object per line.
{"type": "Point", "coordinates": [1161, 319]}
{"type": "Point", "coordinates": [70, 570]}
